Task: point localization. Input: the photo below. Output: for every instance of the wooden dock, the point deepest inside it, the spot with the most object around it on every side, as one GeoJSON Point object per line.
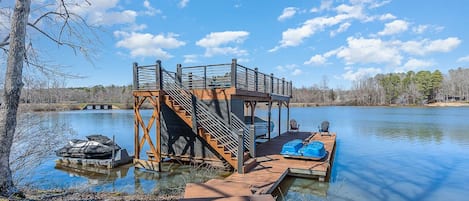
{"type": "Point", "coordinates": [271, 169]}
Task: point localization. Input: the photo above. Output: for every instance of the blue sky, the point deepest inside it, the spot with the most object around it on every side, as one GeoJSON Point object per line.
{"type": "Point", "coordinates": [303, 41]}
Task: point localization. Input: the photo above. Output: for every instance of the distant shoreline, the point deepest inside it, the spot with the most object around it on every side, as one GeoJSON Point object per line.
{"type": "Point", "coordinates": [74, 106]}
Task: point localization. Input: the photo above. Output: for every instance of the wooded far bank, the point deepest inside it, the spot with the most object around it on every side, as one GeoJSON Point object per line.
{"type": "Point", "coordinates": [411, 88]}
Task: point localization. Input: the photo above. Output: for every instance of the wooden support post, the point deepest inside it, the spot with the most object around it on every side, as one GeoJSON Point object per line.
{"type": "Point", "coordinates": [279, 117]}
{"type": "Point", "coordinates": [252, 138]}
{"type": "Point", "coordinates": [136, 128]}
{"type": "Point", "coordinates": [269, 119]}
{"type": "Point", "coordinates": [233, 73]}
{"type": "Point", "coordinates": [135, 73]}
{"type": "Point", "coordinates": [158, 129]}
{"type": "Point", "coordinates": [240, 151]}
{"type": "Point", "coordinates": [288, 116]}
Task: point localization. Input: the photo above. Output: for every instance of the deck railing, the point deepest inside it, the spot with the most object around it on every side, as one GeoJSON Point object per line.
{"type": "Point", "coordinates": [215, 76]}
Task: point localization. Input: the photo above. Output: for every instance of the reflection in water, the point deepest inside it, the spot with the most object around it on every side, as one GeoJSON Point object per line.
{"type": "Point", "coordinates": [172, 178]}
{"type": "Point", "coordinates": [383, 153]}
{"type": "Point", "coordinates": [294, 188]}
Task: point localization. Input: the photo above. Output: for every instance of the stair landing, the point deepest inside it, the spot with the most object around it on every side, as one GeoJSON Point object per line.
{"type": "Point", "coordinates": [273, 167]}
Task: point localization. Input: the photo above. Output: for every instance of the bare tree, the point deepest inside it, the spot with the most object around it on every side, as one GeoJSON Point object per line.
{"type": "Point", "coordinates": [64, 28]}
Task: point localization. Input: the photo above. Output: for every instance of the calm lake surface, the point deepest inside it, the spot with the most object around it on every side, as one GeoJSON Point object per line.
{"type": "Point", "coordinates": [383, 153]}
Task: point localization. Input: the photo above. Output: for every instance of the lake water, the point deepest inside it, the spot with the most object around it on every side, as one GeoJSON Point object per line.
{"type": "Point", "coordinates": [383, 153]}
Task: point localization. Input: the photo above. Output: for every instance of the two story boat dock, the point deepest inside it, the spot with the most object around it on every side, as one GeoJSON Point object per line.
{"type": "Point", "coordinates": [196, 116]}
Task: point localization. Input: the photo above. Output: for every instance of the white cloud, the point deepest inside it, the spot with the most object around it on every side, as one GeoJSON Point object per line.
{"type": "Point", "coordinates": [387, 16]}
{"type": "Point", "coordinates": [343, 27]}
{"type": "Point", "coordinates": [191, 58]}
{"type": "Point", "coordinates": [426, 46]}
{"type": "Point", "coordinates": [214, 40]}
{"type": "Point", "coordinates": [414, 64]}
{"type": "Point", "coordinates": [104, 12]}
{"type": "Point", "coordinates": [420, 29]}
{"type": "Point", "coordinates": [325, 5]}
{"type": "Point", "coordinates": [362, 50]}
{"type": "Point", "coordinates": [316, 60]}
{"type": "Point", "coordinates": [287, 13]}
{"type": "Point", "coordinates": [148, 45]}
{"type": "Point", "coordinates": [150, 10]}
{"type": "Point", "coordinates": [394, 27]}
{"type": "Point", "coordinates": [295, 36]}
{"type": "Point", "coordinates": [183, 3]}
{"type": "Point", "coordinates": [360, 73]}
{"type": "Point", "coordinates": [464, 59]}
{"type": "Point", "coordinates": [297, 72]}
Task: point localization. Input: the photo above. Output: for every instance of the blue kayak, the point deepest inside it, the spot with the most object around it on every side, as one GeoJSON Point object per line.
{"type": "Point", "coordinates": [296, 149]}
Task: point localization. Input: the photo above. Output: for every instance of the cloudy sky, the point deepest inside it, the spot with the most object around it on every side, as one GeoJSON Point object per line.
{"type": "Point", "coordinates": [303, 41]}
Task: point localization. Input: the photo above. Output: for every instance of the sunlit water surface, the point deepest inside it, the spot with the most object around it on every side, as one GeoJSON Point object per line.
{"type": "Point", "coordinates": [383, 153]}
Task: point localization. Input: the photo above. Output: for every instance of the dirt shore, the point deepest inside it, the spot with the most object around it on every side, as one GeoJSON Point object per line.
{"type": "Point", "coordinates": [56, 195]}
{"type": "Point", "coordinates": [448, 104]}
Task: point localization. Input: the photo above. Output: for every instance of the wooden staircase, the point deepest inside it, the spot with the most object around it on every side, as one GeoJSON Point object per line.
{"type": "Point", "coordinates": [215, 131]}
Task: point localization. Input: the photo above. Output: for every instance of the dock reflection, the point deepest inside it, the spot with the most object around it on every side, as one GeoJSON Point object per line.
{"type": "Point", "coordinates": [301, 189]}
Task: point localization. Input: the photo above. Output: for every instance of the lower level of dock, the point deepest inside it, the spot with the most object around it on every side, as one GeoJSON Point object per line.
{"type": "Point", "coordinates": [271, 169]}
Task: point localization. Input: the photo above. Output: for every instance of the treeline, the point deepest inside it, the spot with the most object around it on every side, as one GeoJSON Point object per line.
{"type": "Point", "coordinates": [411, 88]}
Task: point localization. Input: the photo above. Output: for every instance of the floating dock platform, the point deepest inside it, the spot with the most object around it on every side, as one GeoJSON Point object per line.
{"type": "Point", "coordinates": [269, 172]}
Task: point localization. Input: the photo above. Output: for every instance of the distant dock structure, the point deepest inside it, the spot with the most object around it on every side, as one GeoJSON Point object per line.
{"type": "Point", "coordinates": [98, 106]}
{"type": "Point", "coordinates": [199, 113]}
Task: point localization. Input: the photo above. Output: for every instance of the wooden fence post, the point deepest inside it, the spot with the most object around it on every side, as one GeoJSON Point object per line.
{"type": "Point", "coordinates": [252, 138]}
{"type": "Point", "coordinates": [256, 79]}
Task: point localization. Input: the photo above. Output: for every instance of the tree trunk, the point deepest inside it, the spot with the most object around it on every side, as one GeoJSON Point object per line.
{"type": "Point", "coordinates": [12, 92]}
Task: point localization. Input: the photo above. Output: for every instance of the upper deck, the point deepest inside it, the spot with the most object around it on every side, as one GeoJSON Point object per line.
{"type": "Point", "coordinates": [231, 78]}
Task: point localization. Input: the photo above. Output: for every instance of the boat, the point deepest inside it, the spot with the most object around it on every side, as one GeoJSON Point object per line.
{"type": "Point", "coordinates": [261, 126]}
{"type": "Point", "coordinates": [95, 147]}
{"type": "Point", "coordinates": [300, 149]}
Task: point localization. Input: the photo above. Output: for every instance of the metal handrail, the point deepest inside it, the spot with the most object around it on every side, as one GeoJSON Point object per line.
{"type": "Point", "coordinates": [212, 123]}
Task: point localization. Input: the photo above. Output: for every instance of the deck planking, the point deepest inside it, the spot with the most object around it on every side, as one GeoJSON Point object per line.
{"type": "Point", "coordinates": [272, 168]}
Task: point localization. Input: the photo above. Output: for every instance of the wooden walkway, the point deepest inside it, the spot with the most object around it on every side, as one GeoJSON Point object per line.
{"type": "Point", "coordinates": [271, 169]}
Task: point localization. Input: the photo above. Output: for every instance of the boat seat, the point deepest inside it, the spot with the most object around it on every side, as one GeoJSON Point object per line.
{"type": "Point", "coordinates": [294, 126]}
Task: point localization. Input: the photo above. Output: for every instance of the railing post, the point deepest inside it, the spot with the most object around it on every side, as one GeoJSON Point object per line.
{"type": "Point", "coordinates": [278, 85]}
{"type": "Point", "coordinates": [291, 89]}
{"type": "Point", "coordinates": [159, 75]}
{"type": "Point", "coordinates": [256, 78]}
{"type": "Point", "coordinates": [194, 113]}
{"type": "Point", "coordinates": [135, 69]}
{"type": "Point", "coordinates": [233, 73]}
{"type": "Point", "coordinates": [271, 83]}
{"type": "Point", "coordinates": [190, 80]}
{"type": "Point", "coordinates": [246, 82]}
{"type": "Point", "coordinates": [179, 74]}
{"type": "Point", "coordinates": [265, 83]}
{"type": "Point", "coordinates": [240, 151]}
{"type": "Point", "coordinates": [252, 138]}
{"type": "Point", "coordinates": [283, 86]}
{"type": "Point", "coordinates": [205, 77]}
